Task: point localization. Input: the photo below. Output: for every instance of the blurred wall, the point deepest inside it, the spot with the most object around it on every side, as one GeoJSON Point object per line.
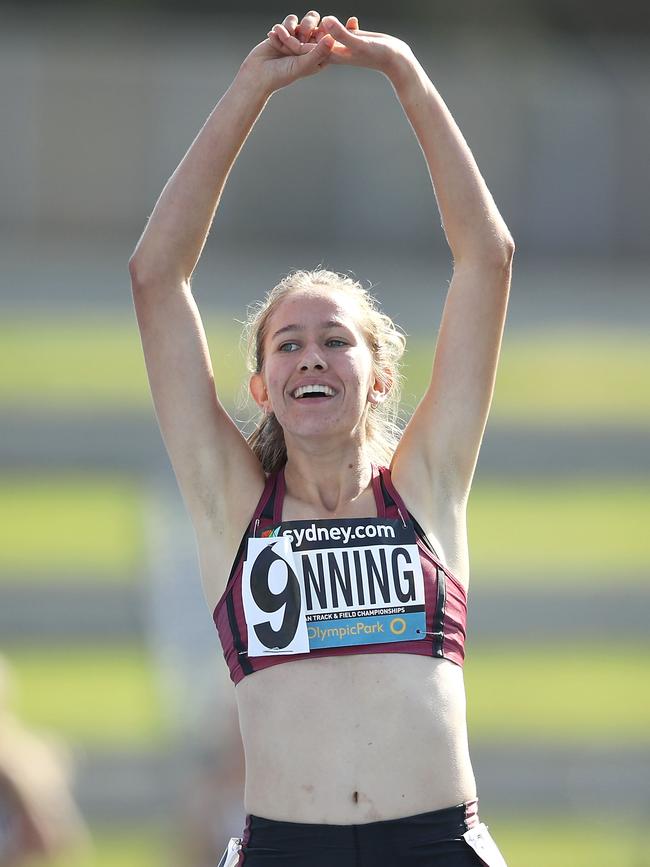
{"type": "Point", "coordinates": [97, 113]}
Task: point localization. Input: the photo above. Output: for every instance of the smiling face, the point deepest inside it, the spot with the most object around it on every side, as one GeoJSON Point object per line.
{"type": "Point", "coordinates": [317, 376]}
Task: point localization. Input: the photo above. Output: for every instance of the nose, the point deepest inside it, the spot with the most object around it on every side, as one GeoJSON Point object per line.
{"type": "Point", "coordinates": [312, 360]}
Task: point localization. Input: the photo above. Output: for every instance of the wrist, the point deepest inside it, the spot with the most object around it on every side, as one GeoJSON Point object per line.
{"type": "Point", "coordinates": [247, 82]}
{"type": "Point", "coordinates": [403, 69]}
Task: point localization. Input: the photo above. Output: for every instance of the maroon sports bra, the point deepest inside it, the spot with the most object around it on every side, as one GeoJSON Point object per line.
{"type": "Point", "coordinates": [302, 589]}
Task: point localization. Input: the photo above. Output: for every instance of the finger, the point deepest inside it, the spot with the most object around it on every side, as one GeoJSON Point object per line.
{"type": "Point", "coordinates": [317, 54]}
{"type": "Point", "coordinates": [287, 39]}
{"type": "Point", "coordinates": [307, 25]}
{"type": "Point", "coordinates": [291, 22]}
{"type": "Point", "coordinates": [352, 24]}
{"type": "Point", "coordinates": [332, 25]}
{"type": "Point", "coordinates": [277, 44]}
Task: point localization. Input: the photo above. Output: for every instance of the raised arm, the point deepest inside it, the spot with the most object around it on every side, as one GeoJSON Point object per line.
{"type": "Point", "coordinates": [440, 446]}
{"type": "Point", "coordinates": [213, 464]}
{"type": "Point", "coordinates": [444, 435]}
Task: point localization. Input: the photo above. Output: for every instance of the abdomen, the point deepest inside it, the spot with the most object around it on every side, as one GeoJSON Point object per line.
{"type": "Point", "coordinates": [355, 739]}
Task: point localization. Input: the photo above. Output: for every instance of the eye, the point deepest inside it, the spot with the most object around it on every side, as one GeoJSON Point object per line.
{"type": "Point", "coordinates": [336, 341]}
{"type": "Point", "coordinates": [289, 346]}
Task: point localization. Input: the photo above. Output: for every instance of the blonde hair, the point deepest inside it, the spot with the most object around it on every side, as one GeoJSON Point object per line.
{"type": "Point", "coordinates": [385, 341]}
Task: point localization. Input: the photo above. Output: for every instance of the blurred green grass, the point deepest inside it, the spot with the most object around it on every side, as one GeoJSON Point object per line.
{"type": "Point", "coordinates": [545, 376]}
{"type": "Point", "coordinates": [93, 362]}
{"type": "Point", "coordinates": [71, 523]}
{"type": "Point", "coordinates": [582, 693]}
{"type": "Point", "coordinates": [118, 847]}
{"type": "Point", "coordinates": [92, 527]}
{"type": "Point", "coordinates": [576, 530]}
{"type": "Point", "coordinates": [567, 376]}
{"type": "Point", "coordinates": [571, 841]}
{"type": "Point", "coordinates": [95, 695]}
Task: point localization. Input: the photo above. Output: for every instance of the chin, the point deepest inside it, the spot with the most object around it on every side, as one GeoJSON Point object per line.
{"type": "Point", "coordinates": [315, 426]}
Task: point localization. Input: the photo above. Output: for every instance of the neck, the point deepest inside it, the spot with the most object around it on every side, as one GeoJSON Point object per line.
{"type": "Point", "coordinates": [327, 481]}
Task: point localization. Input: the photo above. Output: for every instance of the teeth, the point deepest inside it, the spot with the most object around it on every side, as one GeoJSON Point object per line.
{"type": "Point", "coordinates": [310, 389]}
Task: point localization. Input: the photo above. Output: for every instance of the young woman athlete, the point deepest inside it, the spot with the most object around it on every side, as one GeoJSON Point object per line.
{"type": "Point", "coordinates": [334, 554]}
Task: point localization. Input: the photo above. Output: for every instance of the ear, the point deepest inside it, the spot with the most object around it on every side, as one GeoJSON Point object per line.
{"type": "Point", "coordinates": [380, 389]}
{"type": "Point", "coordinates": [260, 395]}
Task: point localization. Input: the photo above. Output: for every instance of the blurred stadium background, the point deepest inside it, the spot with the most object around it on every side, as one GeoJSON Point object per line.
{"type": "Point", "coordinates": [101, 613]}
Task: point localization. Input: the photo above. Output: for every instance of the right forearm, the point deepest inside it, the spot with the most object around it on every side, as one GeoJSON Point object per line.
{"type": "Point", "coordinates": [178, 227]}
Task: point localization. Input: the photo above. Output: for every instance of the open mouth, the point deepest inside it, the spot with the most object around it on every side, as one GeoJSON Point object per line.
{"type": "Point", "coordinates": [312, 392]}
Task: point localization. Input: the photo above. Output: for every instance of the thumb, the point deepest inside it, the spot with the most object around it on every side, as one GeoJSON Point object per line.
{"type": "Point", "coordinates": [317, 53]}
{"type": "Point", "coordinates": [342, 34]}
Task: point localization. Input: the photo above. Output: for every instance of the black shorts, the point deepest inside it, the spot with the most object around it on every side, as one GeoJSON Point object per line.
{"type": "Point", "coordinates": [432, 839]}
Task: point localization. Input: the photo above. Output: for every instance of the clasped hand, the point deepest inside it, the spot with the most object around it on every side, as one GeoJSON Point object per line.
{"type": "Point", "coordinates": [296, 49]}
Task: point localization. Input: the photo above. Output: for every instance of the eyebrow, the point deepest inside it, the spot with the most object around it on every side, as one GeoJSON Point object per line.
{"type": "Point", "coordinates": [331, 323]}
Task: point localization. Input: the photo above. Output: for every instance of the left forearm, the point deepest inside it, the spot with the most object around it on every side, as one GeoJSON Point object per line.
{"type": "Point", "coordinates": [472, 223]}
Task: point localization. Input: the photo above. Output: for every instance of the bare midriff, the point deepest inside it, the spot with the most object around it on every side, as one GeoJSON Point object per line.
{"type": "Point", "coordinates": [355, 739]}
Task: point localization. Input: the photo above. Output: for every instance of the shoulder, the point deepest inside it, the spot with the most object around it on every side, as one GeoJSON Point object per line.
{"type": "Point", "coordinates": [427, 491]}
{"type": "Point", "coordinates": [441, 513]}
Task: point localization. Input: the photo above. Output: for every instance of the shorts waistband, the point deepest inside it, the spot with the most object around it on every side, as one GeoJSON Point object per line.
{"type": "Point", "coordinates": [448, 823]}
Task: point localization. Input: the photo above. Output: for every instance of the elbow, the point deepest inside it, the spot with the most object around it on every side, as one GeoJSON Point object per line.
{"type": "Point", "coordinates": [498, 254]}
{"type": "Point", "coordinates": [509, 247]}
{"type": "Point", "coordinates": [143, 274]}
{"type": "Point", "coordinates": [134, 272]}
{"type": "Point", "coordinates": [506, 253]}
{"type": "Point", "coordinates": [502, 250]}
{"type": "Point", "coordinates": [150, 287]}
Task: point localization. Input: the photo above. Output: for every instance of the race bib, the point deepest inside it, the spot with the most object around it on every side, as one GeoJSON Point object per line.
{"type": "Point", "coordinates": [273, 597]}
{"type": "Point", "coordinates": [313, 584]}
{"type": "Point", "coordinates": [480, 839]}
{"type": "Point", "coordinates": [231, 856]}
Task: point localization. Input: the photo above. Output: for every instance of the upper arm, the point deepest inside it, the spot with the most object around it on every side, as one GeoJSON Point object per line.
{"type": "Point", "coordinates": [214, 465]}
{"type": "Point", "coordinates": [442, 440]}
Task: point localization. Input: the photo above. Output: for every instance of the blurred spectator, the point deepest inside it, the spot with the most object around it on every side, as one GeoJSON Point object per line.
{"type": "Point", "coordinates": [38, 817]}
{"type": "Point", "coordinates": [213, 804]}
